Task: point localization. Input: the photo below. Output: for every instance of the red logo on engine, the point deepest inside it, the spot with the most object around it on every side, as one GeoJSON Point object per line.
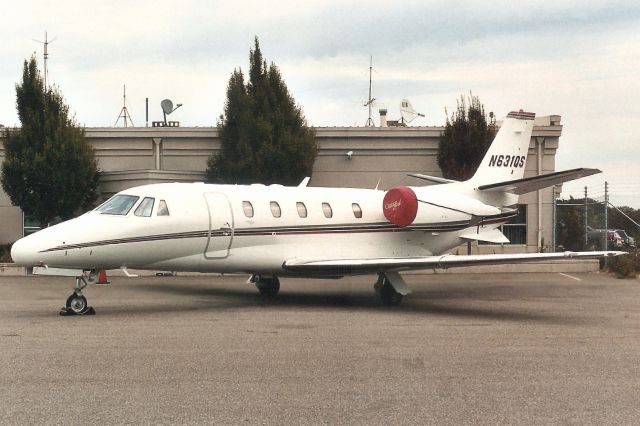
{"type": "Point", "coordinates": [400, 206]}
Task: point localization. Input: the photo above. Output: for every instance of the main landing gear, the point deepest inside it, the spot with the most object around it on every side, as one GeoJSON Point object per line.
{"type": "Point", "coordinates": [391, 288]}
{"type": "Point", "coordinates": [267, 286]}
{"type": "Point", "coordinates": [76, 303]}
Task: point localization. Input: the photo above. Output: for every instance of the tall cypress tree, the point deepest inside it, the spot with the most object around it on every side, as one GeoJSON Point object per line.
{"type": "Point", "coordinates": [49, 169]}
{"type": "Point", "coordinates": [466, 138]}
{"type": "Point", "coordinates": [264, 135]}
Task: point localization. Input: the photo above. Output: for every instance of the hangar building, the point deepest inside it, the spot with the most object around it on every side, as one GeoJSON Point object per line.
{"type": "Point", "coordinates": [133, 156]}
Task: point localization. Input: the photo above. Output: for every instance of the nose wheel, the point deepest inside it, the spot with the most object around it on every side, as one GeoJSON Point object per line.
{"type": "Point", "coordinates": [76, 303]}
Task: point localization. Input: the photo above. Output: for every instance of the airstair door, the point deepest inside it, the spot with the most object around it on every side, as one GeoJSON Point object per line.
{"type": "Point", "coordinates": [220, 226]}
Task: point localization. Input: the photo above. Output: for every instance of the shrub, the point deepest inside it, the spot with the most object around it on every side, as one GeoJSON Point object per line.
{"type": "Point", "coordinates": [5, 253]}
{"type": "Point", "coordinates": [625, 266]}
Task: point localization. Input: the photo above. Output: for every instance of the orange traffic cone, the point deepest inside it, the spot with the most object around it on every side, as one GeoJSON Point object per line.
{"type": "Point", "coordinates": [102, 277]}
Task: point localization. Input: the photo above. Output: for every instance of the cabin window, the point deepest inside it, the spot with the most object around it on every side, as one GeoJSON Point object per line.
{"type": "Point", "coordinates": [302, 209]}
{"type": "Point", "coordinates": [275, 209]}
{"type": "Point", "coordinates": [247, 207]}
{"type": "Point", "coordinates": [145, 207]}
{"type": "Point", "coordinates": [326, 209]}
{"type": "Point", "coordinates": [357, 211]}
{"type": "Point", "coordinates": [163, 210]}
{"type": "Point", "coordinates": [118, 204]}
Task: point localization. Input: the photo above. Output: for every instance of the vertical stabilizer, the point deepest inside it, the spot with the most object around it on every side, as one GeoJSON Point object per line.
{"type": "Point", "coordinates": [506, 158]}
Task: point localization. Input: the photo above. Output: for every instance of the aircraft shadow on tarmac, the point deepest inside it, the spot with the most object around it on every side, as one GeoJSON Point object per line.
{"type": "Point", "coordinates": [419, 303]}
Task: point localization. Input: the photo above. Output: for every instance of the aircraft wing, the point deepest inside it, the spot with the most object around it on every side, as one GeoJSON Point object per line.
{"type": "Point", "coordinates": [341, 267]}
{"type": "Point", "coordinates": [530, 184]}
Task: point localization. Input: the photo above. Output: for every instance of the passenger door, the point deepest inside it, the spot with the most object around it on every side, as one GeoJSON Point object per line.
{"type": "Point", "coordinates": [220, 225]}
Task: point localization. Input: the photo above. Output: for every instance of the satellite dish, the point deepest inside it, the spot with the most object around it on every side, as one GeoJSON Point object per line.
{"type": "Point", "coordinates": [167, 106]}
{"type": "Point", "coordinates": [407, 112]}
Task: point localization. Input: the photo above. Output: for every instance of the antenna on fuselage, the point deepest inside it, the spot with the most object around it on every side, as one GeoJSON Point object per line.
{"type": "Point", "coordinates": [304, 182]}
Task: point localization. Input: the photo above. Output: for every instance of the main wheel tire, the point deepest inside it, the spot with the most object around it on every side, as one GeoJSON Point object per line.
{"type": "Point", "coordinates": [268, 287]}
{"type": "Point", "coordinates": [77, 303]}
{"type": "Point", "coordinates": [389, 295]}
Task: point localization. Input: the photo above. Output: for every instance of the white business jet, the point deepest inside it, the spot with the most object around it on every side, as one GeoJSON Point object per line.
{"type": "Point", "coordinates": [272, 231]}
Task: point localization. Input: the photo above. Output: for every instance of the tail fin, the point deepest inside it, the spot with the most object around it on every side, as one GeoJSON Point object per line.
{"type": "Point", "coordinates": [505, 160]}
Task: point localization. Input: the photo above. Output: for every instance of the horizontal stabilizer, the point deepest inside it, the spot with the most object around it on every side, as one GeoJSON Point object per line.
{"type": "Point", "coordinates": [530, 184]}
{"type": "Point", "coordinates": [431, 178]}
{"type": "Point", "coordinates": [341, 267]}
{"type": "Point", "coordinates": [489, 235]}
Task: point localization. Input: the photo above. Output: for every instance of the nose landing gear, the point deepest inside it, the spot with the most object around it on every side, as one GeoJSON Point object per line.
{"type": "Point", "coordinates": [76, 303]}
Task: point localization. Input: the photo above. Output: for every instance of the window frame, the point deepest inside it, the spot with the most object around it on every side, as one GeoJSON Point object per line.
{"type": "Point", "coordinates": [326, 208]}
{"type": "Point", "coordinates": [247, 205]}
{"type": "Point", "coordinates": [166, 207]}
{"type": "Point", "coordinates": [274, 206]}
{"type": "Point", "coordinates": [302, 206]}
{"type": "Point", "coordinates": [124, 213]}
{"type": "Point", "coordinates": [357, 210]}
{"type": "Point", "coordinates": [141, 203]}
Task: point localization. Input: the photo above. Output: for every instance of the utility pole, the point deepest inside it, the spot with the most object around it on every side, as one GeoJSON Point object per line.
{"type": "Point", "coordinates": [586, 222]}
{"type": "Point", "coordinates": [606, 217]}
{"type": "Point", "coordinates": [555, 214]}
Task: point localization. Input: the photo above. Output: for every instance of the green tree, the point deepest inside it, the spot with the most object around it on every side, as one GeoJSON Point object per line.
{"type": "Point", "coordinates": [570, 225]}
{"type": "Point", "coordinates": [49, 169]}
{"type": "Point", "coordinates": [465, 140]}
{"type": "Point", "coordinates": [263, 133]}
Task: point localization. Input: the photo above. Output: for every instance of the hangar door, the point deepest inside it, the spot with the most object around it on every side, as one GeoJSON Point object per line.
{"type": "Point", "coordinates": [220, 226]}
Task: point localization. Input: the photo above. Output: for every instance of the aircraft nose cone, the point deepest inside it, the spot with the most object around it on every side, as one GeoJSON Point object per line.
{"type": "Point", "coordinates": [22, 252]}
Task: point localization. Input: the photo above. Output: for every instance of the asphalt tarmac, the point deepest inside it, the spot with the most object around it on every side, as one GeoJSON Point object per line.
{"type": "Point", "coordinates": [462, 349]}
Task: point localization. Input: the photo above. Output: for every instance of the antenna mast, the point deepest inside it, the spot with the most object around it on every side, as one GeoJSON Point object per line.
{"type": "Point", "coordinates": [46, 43]}
{"type": "Point", "coordinates": [370, 100]}
{"type": "Point", "coordinates": [124, 112]}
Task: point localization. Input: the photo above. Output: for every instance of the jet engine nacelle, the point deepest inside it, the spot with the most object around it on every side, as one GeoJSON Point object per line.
{"type": "Point", "coordinates": [400, 206]}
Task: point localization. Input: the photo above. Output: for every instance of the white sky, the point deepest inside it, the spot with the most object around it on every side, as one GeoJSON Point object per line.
{"type": "Point", "coordinates": [577, 59]}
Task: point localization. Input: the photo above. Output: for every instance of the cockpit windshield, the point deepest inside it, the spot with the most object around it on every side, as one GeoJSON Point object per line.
{"type": "Point", "coordinates": [118, 204]}
{"type": "Point", "coordinates": [145, 207]}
